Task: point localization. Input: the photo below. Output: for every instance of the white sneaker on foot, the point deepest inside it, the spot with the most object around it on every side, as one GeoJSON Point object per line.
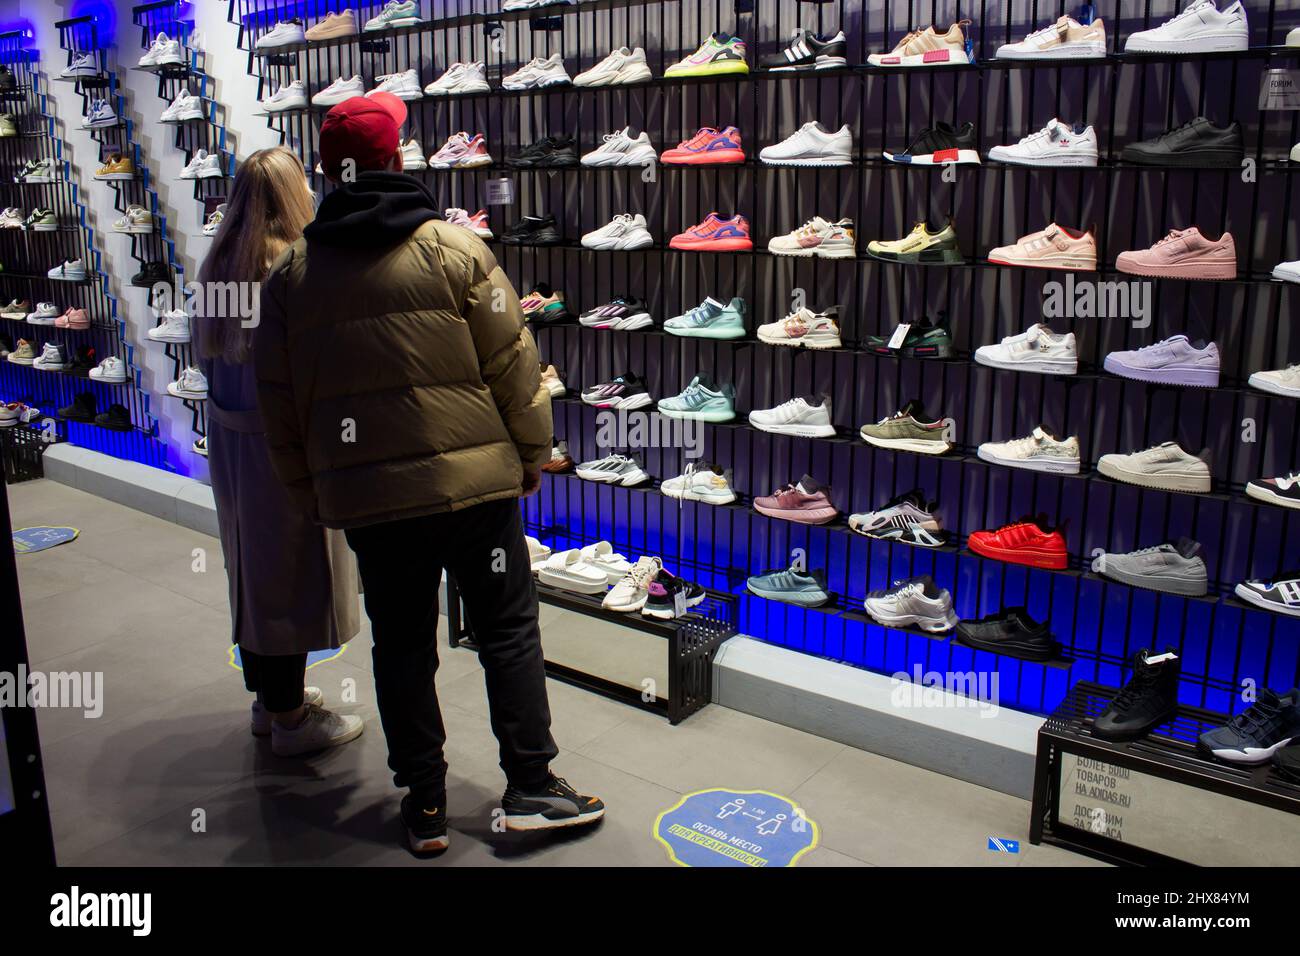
{"type": "Point", "coordinates": [260, 721]}
{"type": "Point", "coordinates": [320, 728]}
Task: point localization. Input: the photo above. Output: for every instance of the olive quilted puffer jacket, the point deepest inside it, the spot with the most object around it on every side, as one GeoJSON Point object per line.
{"type": "Point", "coordinates": [397, 379]}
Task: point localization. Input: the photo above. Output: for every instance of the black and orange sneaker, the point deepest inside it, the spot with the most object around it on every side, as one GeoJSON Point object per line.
{"type": "Point", "coordinates": [555, 804]}
{"type": "Point", "coordinates": [426, 827]}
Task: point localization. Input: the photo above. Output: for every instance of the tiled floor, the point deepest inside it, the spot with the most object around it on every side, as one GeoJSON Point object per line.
{"type": "Point", "coordinates": [170, 775]}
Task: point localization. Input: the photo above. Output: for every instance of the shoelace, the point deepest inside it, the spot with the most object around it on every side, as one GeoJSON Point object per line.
{"type": "Point", "coordinates": [1130, 693]}
{"type": "Point", "coordinates": [1174, 234]}
{"type": "Point", "coordinates": [1259, 716]}
{"type": "Point", "coordinates": [699, 139]}
{"type": "Point", "coordinates": [1194, 8]}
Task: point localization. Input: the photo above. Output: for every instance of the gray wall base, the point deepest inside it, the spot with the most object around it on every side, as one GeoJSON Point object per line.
{"type": "Point", "coordinates": [987, 745]}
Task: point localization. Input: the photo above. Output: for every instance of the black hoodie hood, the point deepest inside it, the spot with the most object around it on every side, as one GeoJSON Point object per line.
{"type": "Point", "coordinates": [379, 209]}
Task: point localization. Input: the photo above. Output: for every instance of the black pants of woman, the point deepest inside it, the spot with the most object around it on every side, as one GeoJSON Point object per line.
{"type": "Point", "coordinates": [276, 680]}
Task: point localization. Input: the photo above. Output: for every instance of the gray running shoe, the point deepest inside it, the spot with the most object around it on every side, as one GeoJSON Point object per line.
{"type": "Point", "coordinates": [1174, 568]}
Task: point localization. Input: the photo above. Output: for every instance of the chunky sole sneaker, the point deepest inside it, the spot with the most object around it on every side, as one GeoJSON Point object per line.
{"type": "Point", "coordinates": [1266, 494]}
{"type": "Point", "coordinates": [926, 257]}
{"type": "Point", "coordinates": [1046, 463]}
{"type": "Point", "coordinates": [1002, 154]}
{"type": "Point", "coordinates": [1032, 557]}
{"type": "Point", "coordinates": [948, 56]}
{"type": "Point", "coordinates": [801, 598]}
{"type": "Point", "coordinates": [626, 403]}
{"type": "Point", "coordinates": [1167, 583]}
{"type": "Point", "coordinates": [1088, 50]}
{"type": "Point", "coordinates": [1206, 269]}
{"type": "Point", "coordinates": [715, 415]}
{"type": "Point", "coordinates": [1193, 377]}
{"type": "Point", "coordinates": [426, 830]}
{"type": "Point", "coordinates": [626, 479]}
{"type": "Point", "coordinates": [799, 516]}
{"type": "Point", "coordinates": [707, 332]}
{"type": "Point", "coordinates": [1163, 482]}
{"type": "Point", "coordinates": [815, 339]}
{"type": "Point", "coordinates": [815, 160]}
{"type": "Point", "coordinates": [1206, 43]}
{"type": "Point", "coordinates": [914, 535]}
{"type": "Point", "coordinates": [556, 806]}
{"type": "Point", "coordinates": [798, 431]}
{"type": "Point", "coordinates": [881, 613]}
{"type": "Point", "coordinates": [1251, 596]}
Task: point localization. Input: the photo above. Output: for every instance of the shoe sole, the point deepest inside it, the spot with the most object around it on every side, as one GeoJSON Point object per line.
{"type": "Point", "coordinates": [620, 244]}
{"type": "Point", "coordinates": [908, 444]}
{"type": "Point", "coordinates": [819, 516]}
{"type": "Point", "coordinates": [1217, 271]}
{"type": "Point", "coordinates": [929, 624]}
{"type": "Point", "coordinates": [537, 821]}
{"type": "Point", "coordinates": [712, 245]}
{"type": "Point", "coordinates": [803, 342]}
{"type": "Point", "coordinates": [627, 481]}
{"type": "Point", "coordinates": [426, 844]}
{"type": "Point", "coordinates": [702, 499]}
{"type": "Point", "coordinates": [1286, 275]}
{"type": "Point", "coordinates": [1052, 162]}
{"type": "Point", "coordinates": [187, 395]}
{"type": "Point", "coordinates": [840, 253]}
{"type": "Point", "coordinates": [934, 58]}
{"type": "Point", "coordinates": [1255, 755]}
{"type": "Point", "coordinates": [720, 68]}
{"type": "Point", "coordinates": [114, 177]}
{"type": "Point", "coordinates": [828, 63]}
{"type": "Point", "coordinates": [705, 333]}
{"type": "Point", "coordinates": [1192, 377]}
{"type": "Point", "coordinates": [1215, 158]}
{"type": "Point", "coordinates": [946, 157]}
{"type": "Point", "coordinates": [640, 400]}
{"type": "Point", "coordinates": [798, 599]}
{"type": "Point", "coordinates": [171, 341]}
{"type": "Point", "coordinates": [1065, 263]}
{"type": "Point", "coordinates": [393, 24]}
{"type": "Point", "coordinates": [668, 614]}
{"type": "Point", "coordinates": [714, 417]}
{"type": "Point", "coordinates": [1159, 482]}
{"type": "Point", "coordinates": [1153, 583]}
{"type": "Point", "coordinates": [1051, 561]}
{"type": "Point", "coordinates": [549, 577]}
{"type": "Point", "coordinates": [622, 159]}
{"type": "Point", "coordinates": [629, 324]}
{"type": "Point", "coordinates": [134, 231]}
{"type": "Point", "coordinates": [719, 157]}
{"type": "Point", "coordinates": [460, 91]}
{"type": "Point", "coordinates": [337, 742]}
{"type": "Point", "coordinates": [1011, 650]}
{"type": "Point", "coordinates": [1250, 596]}
{"type": "Point", "coordinates": [641, 75]}
{"type": "Point", "coordinates": [896, 536]}
{"type": "Point", "coordinates": [797, 431]}
{"type": "Point", "coordinates": [1036, 366]}
{"type": "Point", "coordinates": [946, 257]}
{"type": "Point", "coordinates": [1065, 52]}
{"type": "Point", "coordinates": [1213, 44]}
{"type": "Point", "coordinates": [1047, 465]}
{"type": "Point", "coordinates": [1260, 493]}
{"type": "Point", "coordinates": [808, 161]}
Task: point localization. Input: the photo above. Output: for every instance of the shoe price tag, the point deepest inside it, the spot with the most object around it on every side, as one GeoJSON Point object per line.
{"type": "Point", "coordinates": [500, 192]}
{"type": "Point", "coordinates": [1161, 658]}
{"type": "Point", "coordinates": [679, 604]}
{"type": "Point", "coordinates": [900, 336]}
{"type": "Point", "coordinates": [1280, 90]}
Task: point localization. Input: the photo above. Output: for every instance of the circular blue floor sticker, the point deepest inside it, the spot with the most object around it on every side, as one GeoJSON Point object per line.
{"type": "Point", "coordinates": [313, 657]}
{"type": "Point", "coordinates": [735, 828]}
{"type": "Point", "coordinates": [30, 540]}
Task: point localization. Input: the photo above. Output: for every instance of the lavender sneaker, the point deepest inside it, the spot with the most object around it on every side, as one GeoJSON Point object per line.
{"type": "Point", "coordinates": [1174, 361]}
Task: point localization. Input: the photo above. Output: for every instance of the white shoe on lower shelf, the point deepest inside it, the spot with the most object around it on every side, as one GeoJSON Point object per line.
{"type": "Point", "coordinates": [601, 555]}
{"type": "Point", "coordinates": [319, 730]}
{"type": "Point", "coordinates": [566, 570]}
{"type": "Point", "coordinates": [537, 553]}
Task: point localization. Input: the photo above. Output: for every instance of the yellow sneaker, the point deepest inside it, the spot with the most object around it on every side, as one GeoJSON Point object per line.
{"type": "Point", "coordinates": [118, 167]}
{"type": "Point", "coordinates": [720, 53]}
{"type": "Point", "coordinates": [919, 247]}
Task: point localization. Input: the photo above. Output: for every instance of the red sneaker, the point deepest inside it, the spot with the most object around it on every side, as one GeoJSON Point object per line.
{"type": "Point", "coordinates": [708, 147]}
{"type": "Point", "coordinates": [715, 234]}
{"type": "Point", "coordinates": [1034, 543]}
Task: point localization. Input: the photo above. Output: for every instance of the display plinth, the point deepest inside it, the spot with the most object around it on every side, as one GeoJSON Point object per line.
{"type": "Point", "coordinates": [1156, 800]}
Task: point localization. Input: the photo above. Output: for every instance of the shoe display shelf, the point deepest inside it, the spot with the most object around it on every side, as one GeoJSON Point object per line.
{"type": "Point", "coordinates": [28, 256]}
{"type": "Point", "coordinates": [1249, 434]}
{"type": "Point", "coordinates": [207, 134]}
{"type": "Point", "coordinates": [157, 248]}
{"type": "Point", "coordinates": [1156, 800]}
{"type": "Point", "coordinates": [690, 641]}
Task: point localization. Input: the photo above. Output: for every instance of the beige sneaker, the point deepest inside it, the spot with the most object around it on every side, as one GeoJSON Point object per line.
{"type": "Point", "coordinates": [1165, 466]}
{"type": "Point", "coordinates": [552, 381]}
{"type": "Point", "coordinates": [1066, 39]}
{"type": "Point", "coordinates": [927, 47]}
{"type": "Point", "coordinates": [342, 24]}
{"type": "Point", "coordinates": [1055, 247]}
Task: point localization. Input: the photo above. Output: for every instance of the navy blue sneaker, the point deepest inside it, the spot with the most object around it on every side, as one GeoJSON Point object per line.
{"type": "Point", "coordinates": [1259, 731]}
{"type": "Point", "coordinates": [805, 588]}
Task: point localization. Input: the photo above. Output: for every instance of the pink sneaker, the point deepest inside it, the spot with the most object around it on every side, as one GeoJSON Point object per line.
{"type": "Point", "coordinates": [462, 152]}
{"type": "Point", "coordinates": [1183, 254]}
{"type": "Point", "coordinates": [476, 223]}
{"type": "Point", "coordinates": [805, 503]}
{"type": "Point", "coordinates": [73, 319]}
{"type": "Point", "coordinates": [708, 147]}
{"type": "Point", "coordinates": [715, 234]}
{"type": "Point", "coordinates": [1055, 247]}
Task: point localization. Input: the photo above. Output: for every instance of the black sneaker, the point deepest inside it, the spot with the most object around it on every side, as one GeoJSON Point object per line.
{"type": "Point", "coordinates": [1013, 632]}
{"type": "Point", "coordinates": [117, 419]}
{"type": "Point", "coordinates": [426, 829]}
{"type": "Point", "coordinates": [8, 82]}
{"type": "Point", "coordinates": [1284, 491]}
{"type": "Point", "coordinates": [83, 360]}
{"type": "Point", "coordinates": [940, 145]}
{"type": "Point", "coordinates": [1149, 699]}
{"type": "Point", "coordinates": [1280, 593]}
{"type": "Point", "coordinates": [1268, 725]}
{"type": "Point", "coordinates": [533, 231]}
{"type": "Point", "coordinates": [151, 273]}
{"type": "Point", "coordinates": [547, 153]}
{"type": "Point", "coordinates": [921, 340]}
{"type": "Point", "coordinates": [1287, 763]}
{"type": "Point", "coordinates": [555, 805]}
{"type": "Point", "coordinates": [82, 409]}
{"type": "Point", "coordinates": [1198, 143]}
{"type": "Point", "coordinates": [807, 51]}
{"type": "Point", "coordinates": [663, 592]}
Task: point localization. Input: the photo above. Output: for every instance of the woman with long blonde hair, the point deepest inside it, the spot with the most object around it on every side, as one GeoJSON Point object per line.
{"type": "Point", "coordinates": [293, 584]}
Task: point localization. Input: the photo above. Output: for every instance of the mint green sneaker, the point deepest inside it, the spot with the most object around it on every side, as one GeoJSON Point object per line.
{"type": "Point", "coordinates": [702, 401]}
{"type": "Point", "coordinates": [710, 320]}
{"type": "Point", "coordinates": [396, 13]}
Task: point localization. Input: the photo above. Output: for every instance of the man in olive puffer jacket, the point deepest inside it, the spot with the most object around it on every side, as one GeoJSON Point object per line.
{"type": "Point", "coordinates": [401, 396]}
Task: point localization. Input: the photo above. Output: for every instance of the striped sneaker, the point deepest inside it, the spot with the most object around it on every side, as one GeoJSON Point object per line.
{"type": "Point", "coordinates": [622, 314]}
{"type": "Point", "coordinates": [910, 518]}
{"type": "Point", "coordinates": [625, 392]}
{"type": "Point", "coordinates": [613, 470]}
{"type": "Point", "coordinates": [702, 401]}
